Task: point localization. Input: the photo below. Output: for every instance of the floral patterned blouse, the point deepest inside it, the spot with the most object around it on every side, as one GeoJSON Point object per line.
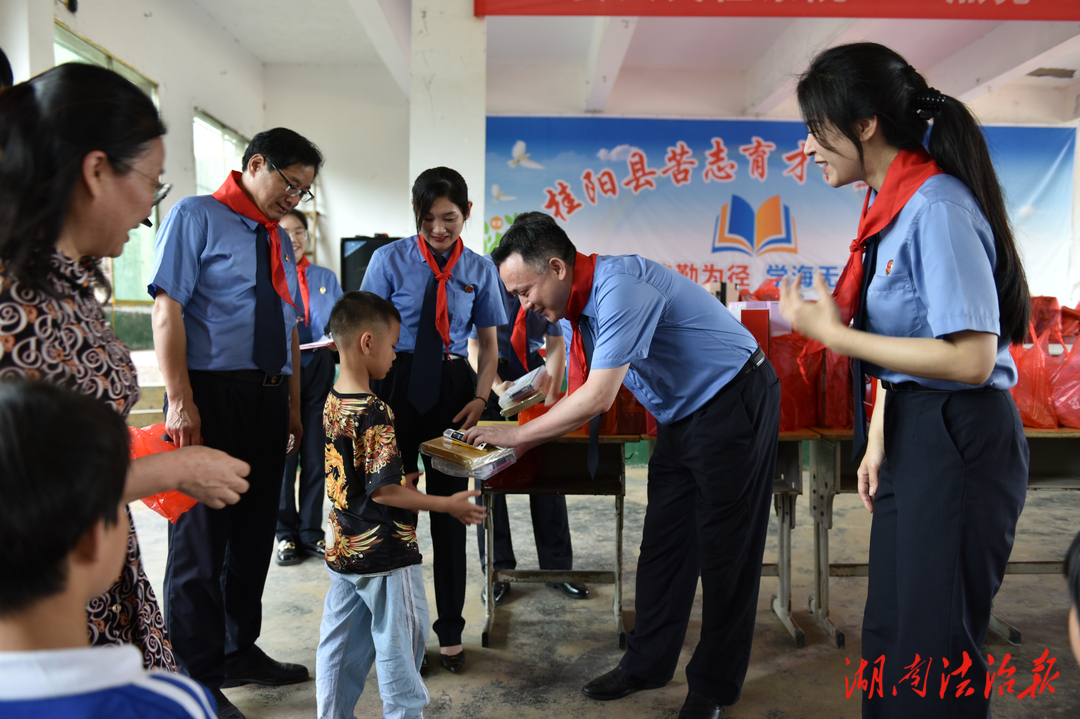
{"type": "Point", "coordinates": [361, 456]}
{"type": "Point", "coordinates": [67, 340]}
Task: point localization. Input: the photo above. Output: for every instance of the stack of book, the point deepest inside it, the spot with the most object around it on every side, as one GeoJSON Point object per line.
{"type": "Point", "coordinates": [524, 393]}
{"type": "Point", "coordinates": [452, 455]}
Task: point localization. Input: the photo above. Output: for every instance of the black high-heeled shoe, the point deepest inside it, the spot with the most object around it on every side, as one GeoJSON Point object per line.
{"type": "Point", "coordinates": [453, 662]}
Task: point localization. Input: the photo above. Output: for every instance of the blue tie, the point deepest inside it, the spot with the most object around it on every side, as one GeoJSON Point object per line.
{"type": "Point", "coordinates": [425, 381]}
{"type": "Point", "coordinates": [302, 327]}
{"type": "Point", "coordinates": [858, 383]}
{"type": "Point", "coordinates": [268, 350]}
{"type": "Point", "coordinates": [592, 458]}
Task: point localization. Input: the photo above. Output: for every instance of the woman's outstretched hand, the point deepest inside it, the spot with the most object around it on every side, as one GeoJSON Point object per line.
{"type": "Point", "coordinates": [817, 320]}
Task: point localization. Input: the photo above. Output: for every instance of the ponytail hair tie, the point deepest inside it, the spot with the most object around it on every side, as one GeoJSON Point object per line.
{"type": "Point", "coordinates": [929, 103]}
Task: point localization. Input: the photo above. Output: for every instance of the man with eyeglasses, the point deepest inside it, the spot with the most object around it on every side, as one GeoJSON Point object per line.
{"type": "Point", "coordinates": [225, 316]}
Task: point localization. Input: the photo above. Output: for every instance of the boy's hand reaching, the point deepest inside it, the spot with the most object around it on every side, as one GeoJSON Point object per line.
{"type": "Point", "coordinates": [462, 507]}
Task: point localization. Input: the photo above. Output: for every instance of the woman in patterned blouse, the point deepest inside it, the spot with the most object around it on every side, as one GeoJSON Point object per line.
{"type": "Point", "coordinates": [80, 157]}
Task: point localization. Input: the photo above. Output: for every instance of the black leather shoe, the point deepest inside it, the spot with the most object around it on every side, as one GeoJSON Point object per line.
{"type": "Point", "coordinates": [453, 662]}
{"type": "Point", "coordinates": [616, 684]}
{"type": "Point", "coordinates": [286, 554]}
{"type": "Point", "coordinates": [424, 666]}
{"type": "Point", "coordinates": [571, 589]}
{"type": "Point", "coordinates": [264, 670]}
{"type": "Point", "coordinates": [225, 708]}
{"type": "Point", "coordinates": [500, 589]}
{"type": "Point", "coordinates": [317, 549]}
{"type": "Point", "coordinates": [699, 707]}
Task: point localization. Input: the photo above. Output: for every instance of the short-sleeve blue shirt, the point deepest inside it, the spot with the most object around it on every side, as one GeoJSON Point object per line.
{"type": "Point", "coordinates": [682, 344]}
{"type": "Point", "coordinates": [204, 258]}
{"type": "Point", "coordinates": [935, 276]}
{"type": "Point", "coordinates": [323, 291]}
{"type": "Point", "coordinates": [400, 273]}
{"type": "Point", "coordinates": [536, 325]}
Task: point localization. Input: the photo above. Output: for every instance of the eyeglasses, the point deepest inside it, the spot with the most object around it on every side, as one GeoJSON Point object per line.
{"type": "Point", "coordinates": [304, 195]}
{"type": "Point", "coordinates": [161, 189]}
{"type": "Point", "coordinates": [300, 233]}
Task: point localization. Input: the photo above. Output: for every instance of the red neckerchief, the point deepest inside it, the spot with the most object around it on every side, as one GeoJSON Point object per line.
{"type": "Point", "coordinates": [232, 196]}
{"type": "Point", "coordinates": [301, 275]}
{"type": "Point", "coordinates": [442, 314]}
{"type": "Point", "coordinates": [906, 174]}
{"type": "Point", "coordinates": [579, 297]}
{"type": "Point", "coordinates": [519, 340]}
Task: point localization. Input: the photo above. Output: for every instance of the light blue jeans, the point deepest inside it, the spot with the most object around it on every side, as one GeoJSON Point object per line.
{"type": "Point", "coordinates": [367, 620]}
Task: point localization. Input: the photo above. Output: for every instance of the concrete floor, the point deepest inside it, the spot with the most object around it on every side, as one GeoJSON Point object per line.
{"type": "Point", "coordinates": [545, 646]}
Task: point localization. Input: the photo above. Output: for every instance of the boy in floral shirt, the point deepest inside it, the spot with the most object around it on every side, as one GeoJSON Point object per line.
{"type": "Point", "coordinates": [376, 607]}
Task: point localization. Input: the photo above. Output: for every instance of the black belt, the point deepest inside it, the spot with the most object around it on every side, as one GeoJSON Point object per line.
{"type": "Point", "coordinates": [916, 387]}
{"type": "Point", "coordinates": [252, 375]}
{"type": "Point", "coordinates": [755, 361]}
{"type": "Point", "coordinates": [446, 357]}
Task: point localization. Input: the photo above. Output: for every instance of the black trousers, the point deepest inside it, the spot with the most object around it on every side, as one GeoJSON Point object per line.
{"type": "Point", "coordinates": [218, 558]}
{"type": "Point", "coordinates": [303, 524]}
{"type": "Point", "coordinates": [458, 386]}
{"type": "Point", "coordinates": [950, 492]}
{"type": "Point", "coordinates": [551, 526]}
{"type": "Point", "coordinates": [710, 482]}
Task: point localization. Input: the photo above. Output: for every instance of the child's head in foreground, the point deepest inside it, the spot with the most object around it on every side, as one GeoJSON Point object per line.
{"type": "Point", "coordinates": [1071, 569]}
{"type": "Point", "coordinates": [365, 328]}
{"type": "Point", "coordinates": [63, 463]}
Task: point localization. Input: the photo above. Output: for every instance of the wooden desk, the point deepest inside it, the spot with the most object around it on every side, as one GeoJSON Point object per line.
{"type": "Point", "coordinates": [564, 472]}
{"type": "Point", "coordinates": [787, 486]}
{"type": "Point", "coordinates": [1055, 465]}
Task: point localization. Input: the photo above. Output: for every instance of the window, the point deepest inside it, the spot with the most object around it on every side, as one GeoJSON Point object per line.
{"type": "Point", "coordinates": [128, 273]}
{"type": "Point", "coordinates": [218, 150]}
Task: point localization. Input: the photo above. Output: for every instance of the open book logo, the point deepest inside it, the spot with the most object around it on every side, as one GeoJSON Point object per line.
{"type": "Point", "coordinates": [740, 229]}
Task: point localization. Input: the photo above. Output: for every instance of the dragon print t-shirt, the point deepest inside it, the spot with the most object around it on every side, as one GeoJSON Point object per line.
{"type": "Point", "coordinates": [361, 456]}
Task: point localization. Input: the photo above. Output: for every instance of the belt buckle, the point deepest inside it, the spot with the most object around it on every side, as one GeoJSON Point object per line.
{"type": "Point", "coordinates": [269, 381]}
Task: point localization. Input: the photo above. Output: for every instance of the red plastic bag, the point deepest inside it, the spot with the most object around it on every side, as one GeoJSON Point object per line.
{"type": "Point", "coordinates": [1045, 315]}
{"type": "Point", "coordinates": [521, 473]}
{"type": "Point", "coordinates": [835, 409]}
{"type": "Point", "coordinates": [149, 440]}
{"type": "Point", "coordinates": [650, 424]}
{"type": "Point", "coordinates": [1032, 391]}
{"type": "Point", "coordinates": [1065, 388]}
{"type": "Point", "coordinates": [769, 290]}
{"type": "Point", "coordinates": [630, 418]}
{"type": "Point", "coordinates": [1070, 323]}
{"type": "Point", "coordinates": [798, 397]}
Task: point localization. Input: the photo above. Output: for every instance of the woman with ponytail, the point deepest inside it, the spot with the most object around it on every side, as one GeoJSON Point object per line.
{"type": "Point", "coordinates": [80, 157]}
{"type": "Point", "coordinates": [443, 291]}
{"type": "Point", "coordinates": [933, 293]}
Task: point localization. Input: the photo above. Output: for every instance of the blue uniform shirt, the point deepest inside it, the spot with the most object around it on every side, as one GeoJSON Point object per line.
{"type": "Point", "coordinates": [935, 276]}
{"type": "Point", "coordinates": [536, 326]}
{"type": "Point", "coordinates": [204, 258]}
{"type": "Point", "coordinates": [323, 291]}
{"type": "Point", "coordinates": [681, 343]}
{"type": "Point", "coordinates": [400, 273]}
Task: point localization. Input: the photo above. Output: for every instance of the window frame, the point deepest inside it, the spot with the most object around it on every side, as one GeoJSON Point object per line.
{"type": "Point", "coordinates": [76, 48]}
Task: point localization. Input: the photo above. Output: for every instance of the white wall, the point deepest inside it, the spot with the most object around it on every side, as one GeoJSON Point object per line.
{"type": "Point", "coordinates": [359, 118]}
{"type": "Point", "coordinates": [193, 60]}
{"type": "Point", "coordinates": [26, 36]}
{"type": "Point", "coordinates": [448, 108]}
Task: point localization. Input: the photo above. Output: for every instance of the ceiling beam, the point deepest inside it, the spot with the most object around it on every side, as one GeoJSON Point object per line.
{"type": "Point", "coordinates": [390, 33]}
{"type": "Point", "coordinates": [1011, 50]}
{"type": "Point", "coordinates": [610, 41]}
{"type": "Point", "coordinates": [772, 79]}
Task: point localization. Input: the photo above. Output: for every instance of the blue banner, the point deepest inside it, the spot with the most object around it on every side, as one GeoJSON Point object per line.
{"type": "Point", "coordinates": [737, 200]}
